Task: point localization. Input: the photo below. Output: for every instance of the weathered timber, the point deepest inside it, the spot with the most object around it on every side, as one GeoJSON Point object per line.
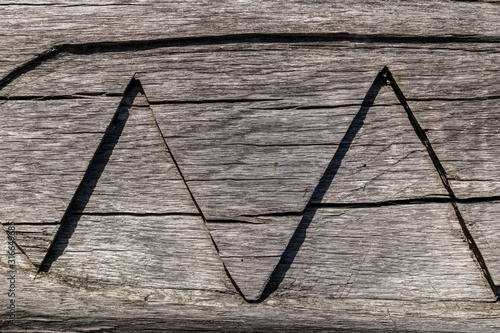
{"type": "Point", "coordinates": [33, 27]}
{"type": "Point", "coordinates": [482, 221]}
{"type": "Point", "coordinates": [251, 250]}
{"type": "Point", "coordinates": [391, 252]}
{"type": "Point", "coordinates": [205, 194]}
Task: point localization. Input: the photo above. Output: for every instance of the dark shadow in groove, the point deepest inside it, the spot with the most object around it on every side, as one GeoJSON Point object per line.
{"type": "Point", "coordinates": [89, 181]}
{"type": "Point", "coordinates": [422, 135]}
{"type": "Point", "coordinates": [299, 236]}
{"type": "Point", "coordinates": [270, 38]}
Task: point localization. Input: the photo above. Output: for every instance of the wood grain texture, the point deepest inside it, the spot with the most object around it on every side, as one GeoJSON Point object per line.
{"type": "Point", "coordinates": [140, 153]}
{"type": "Point", "coordinates": [482, 220]}
{"type": "Point", "coordinates": [153, 252]}
{"type": "Point", "coordinates": [465, 136]}
{"type": "Point", "coordinates": [385, 161]}
{"type": "Point", "coordinates": [44, 25]}
{"type": "Point", "coordinates": [253, 99]}
{"type": "Point", "coordinates": [392, 252]}
{"type": "Point", "coordinates": [46, 148]}
{"type": "Point", "coordinates": [251, 251]}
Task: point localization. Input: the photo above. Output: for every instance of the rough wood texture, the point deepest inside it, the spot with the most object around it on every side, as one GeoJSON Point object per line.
{"type": "Point", "coordinates": [139, 153]}
{"type": "Point", "coordinates": [385, 161]}
{"type": "Point", "coordinates": [210, 190]}
{"type": "Point", "coordinates": [251, 251]}
{"type": "Point", "coordinates": [392, 252]}
{"type": "Point", "coordinates": [482, 220]}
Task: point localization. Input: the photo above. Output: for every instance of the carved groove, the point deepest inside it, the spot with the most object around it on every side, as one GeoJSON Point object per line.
{"type": "Point", "coordinates": [384, 77]}
{"type": "Point", "coordinates": [442, 173]}
{"type": "Point", "coordinates": [89, 181]}
{"type": "Point", "coordinates": [101, 156]}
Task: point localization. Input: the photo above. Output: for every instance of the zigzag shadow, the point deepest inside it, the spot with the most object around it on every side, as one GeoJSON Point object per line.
{"type": "Point", "coordinates": [299, 236]}
{"type": "Point", "coordinates": [102, 154]}
{"type": "Point", "coordinates": [383, 78]}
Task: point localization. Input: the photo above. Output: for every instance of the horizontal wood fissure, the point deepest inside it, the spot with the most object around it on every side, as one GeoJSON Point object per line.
{"type": "Point", "coordinates": [97, 47]}
{"type": "Point", "coordinates": [379, 111]}
{"type": "Point", "coordinates": [122, 213]}
{"type": "Point", "coordinates": [442, 173]}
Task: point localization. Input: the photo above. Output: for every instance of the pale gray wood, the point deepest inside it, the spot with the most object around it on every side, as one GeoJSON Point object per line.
{"type": "Point", "coordinates": [251, 250]}
{"type": "Point", "coordinates": [465, 136]}
{"type": "Point", "coordinates": [385, 161]}
{"type": "Point", "coordinates": [43, 26]}
{"type": "Point", "coordinates": [147, 310]}
{"type": "Point", "coordinates": [140, 154]}
{"type": "Point", "coordinates": [153, 252]}
{"type": "Point", "coordinates": [482, 221]}
{"type": "Point", "coordinates": [228, 153]}
{"type": "Point", "coordinates": [34, 239]}
{"type": "Point", "coordinates": [228, 173]}
{"type": "Point", "coordinates": [412, 252]}
{"type": "Point", "coordinates": [104, 305]}
{"type": "Point", "coordinates": [68, 75]}
{"type": "Point", "coordinates": [46, 148]}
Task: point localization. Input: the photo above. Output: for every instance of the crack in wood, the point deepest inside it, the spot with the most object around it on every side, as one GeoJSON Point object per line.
{"type": "Point", "coordinates": [451, 99]}
{"type": "Point", "coordinates": [386, 73]}
{"type": "Point", "coordinates": [383, 78]}
{"type": "Point", "coordinates": [298, 238]}
{"type": "Point", "coordinates": [214, 101]}
{"type": "Point", "coordinates": [138, 214]}
{"type": "Point", "coordinates": [290, 38]}
{"type": "Point", "coordinates": [413, 201]}
{"type": "Point", "coordinates": [57, 97]}
{"type": "Point", "coordinates": [115, 128]}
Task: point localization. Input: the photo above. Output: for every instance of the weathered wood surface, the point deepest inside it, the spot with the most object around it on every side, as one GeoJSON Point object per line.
{"type": "Point", "coordinates": [34, 26]}
{"type": "Point", "coordinates": [392, 252]}
{"type": "Point", "coordinates": [482, 220]}
{"type": "Point", "coordinates": [213, 182]}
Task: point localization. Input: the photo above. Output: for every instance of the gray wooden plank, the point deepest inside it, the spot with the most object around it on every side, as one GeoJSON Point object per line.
{"type": "Point", "coordinates": [125, 309]}
{"type": "Point", "coordinates": [415, 272]}
{"type": "Point", "coordinates": [157, 252]}
{"type": "Point", "coordinates": [46, 147]}
{"type": "Point", "coordinates": [251, 251]}
{"type": "Point", "coordinates": [464, 135]}
{"type": "Point", "coordinates": [482, 221]}
{"type": "Point", "coordinates": [336, 73]}
{"type": "Point", "coordinates": [68, 75]}
{"type": "Point", "coordinates": [305, 78]}
{"type": "Point", "coordinates": [400, 252]}
{"type": "Point", "coordinates": [385, 161]}
{"type": "Point", "coordinates": [114, 307]}
{"type": "Point", "coordinates": [34, 240]}
{"type": "Point", "coordinates": [244, 190]}
{"type": "Point", "coordinates": [238, 84]}
{"type": "Point", "coordinates": [140, 154]}
{"type": "Point", "coordinates": [45, 25]}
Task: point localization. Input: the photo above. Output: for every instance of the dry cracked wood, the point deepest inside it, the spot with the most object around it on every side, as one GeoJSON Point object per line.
{"type": "Point", "coordinates": [252, 122]}
{"type": "Point", "coordinates": [391, 252]}
{"type": "Point", "coordinates": [482, 221]}
{"type": "Point", "coordinates": [32, 27]}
